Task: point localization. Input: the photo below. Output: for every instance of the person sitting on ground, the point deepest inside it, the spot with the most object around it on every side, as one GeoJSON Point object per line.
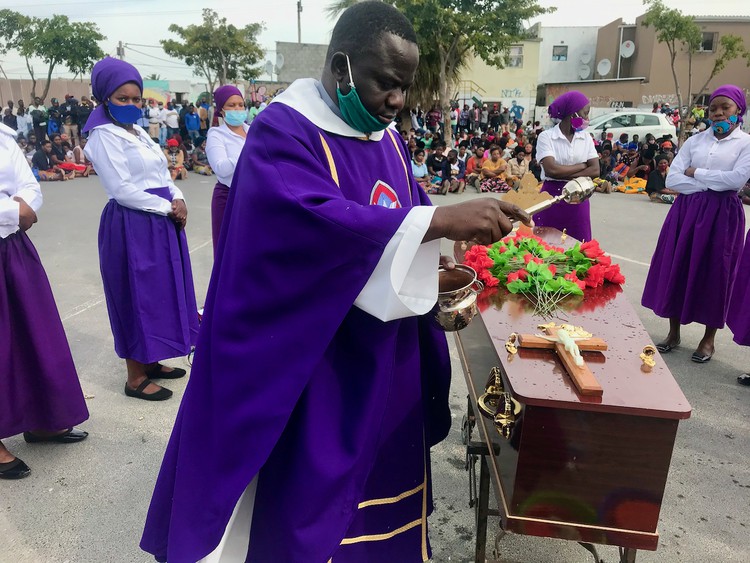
{"type": "Point", "coordinates": [493, 173]}
{"type": "Point", "coordinates": [419, 170]}
{"type": "Point", "coordinates": [518, 166]}
{"type": "Point", "coordinates": [656, 186]}
{"type": "Point", "coordinates": [81, 170]}
{"type": "Point", "coordinates": [606, 165]}
{"type": "Point", "coordinates": [474, 167]}
{"type": "Point", "coordinates": [42, 161]}
{"type": "Point", "coordinates": [79, 157]}
{"type": "Point", "coordinates": [428, 140]}
{"type": "Point", "coordinates": [667, 149]}
{"type": "Point", "coordinates": [200, 159]}
{"type": "Point", "coordinates": [463, 156]}
{"type": "Point", "coordinates": [643, 165]}
{"type": "Point", "coordinates": [454, 174]}
{"type": "Point", "coordinates": [412, 146]}
{"type": "Point", "coordinates": [59, 158]}
{"type": "Point", "coordinates": [622, 143]}
{"type": "Point", "coordinates": [435, 161]}
{"type": "Point", "coordinates": [175, 160]}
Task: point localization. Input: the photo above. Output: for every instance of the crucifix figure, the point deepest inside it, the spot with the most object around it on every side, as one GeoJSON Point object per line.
{"type": "Point", "coordinates": [568, 341]}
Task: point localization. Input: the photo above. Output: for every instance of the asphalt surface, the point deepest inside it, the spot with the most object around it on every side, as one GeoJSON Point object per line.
{"type": "Point", "coordinates": [87, 502]}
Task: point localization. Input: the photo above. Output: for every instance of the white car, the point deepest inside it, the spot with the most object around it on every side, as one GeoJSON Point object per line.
{"type": "Point", "coordinates": [633, 122]}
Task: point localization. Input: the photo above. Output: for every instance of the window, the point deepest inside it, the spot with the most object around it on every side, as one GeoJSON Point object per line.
{"type": "Point", "coordinates": [708, 42]}
{"type": "Point", "coordinates": [515, 59]}
{"type": "Point", "coordinates": [647, 120]}
{"type": "Point", "coordinates": [560, 53]}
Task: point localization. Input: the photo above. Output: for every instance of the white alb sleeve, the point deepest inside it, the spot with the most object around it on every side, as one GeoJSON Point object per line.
{"type": "Point", "coordinates": [405, 280]}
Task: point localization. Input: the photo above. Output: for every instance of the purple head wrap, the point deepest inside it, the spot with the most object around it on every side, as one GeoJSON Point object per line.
{"type": "Point", "coordinates": [735, 94]}
{"type": "Point", "coordinates": [568, 104]}
{"type": "Point", "coordinates": [108, 75]}
{"type": "Point", "coordinates": [223, 93]}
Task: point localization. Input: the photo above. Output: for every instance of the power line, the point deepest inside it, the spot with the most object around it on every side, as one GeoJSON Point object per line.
{"type": "Point", "coordinates": [128, 45]}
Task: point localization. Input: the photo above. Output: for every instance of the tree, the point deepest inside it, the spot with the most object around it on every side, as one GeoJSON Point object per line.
{"type": "Point", "coordinates": [216, 50]}
{"type": "Point", "coordinates": [681, 34]}
{"type": "Point", "coordinates": [449, 32]}
{"type": "Point", "coordinates": [153, 76]}
{"type": "Point", "coordinates": [56, 40]}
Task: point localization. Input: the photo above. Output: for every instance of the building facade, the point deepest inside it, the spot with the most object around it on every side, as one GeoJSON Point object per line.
{"type": "Point", "coordinates": [566, 54]}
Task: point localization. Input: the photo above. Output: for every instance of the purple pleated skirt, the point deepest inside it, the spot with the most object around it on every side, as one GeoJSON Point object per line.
{"type": "Point", "coordinates": [218, 206]}
{"type": "Point", "coordinates": [148, 284]}
{"type": "Point", "coordinates": [694, 265]}
{"type": "Point", "coordinates": [738, 318]}
{"type": "Point", "coordinates": [39, 388]}
{"type": "Point", "coordinates": [575, 219]}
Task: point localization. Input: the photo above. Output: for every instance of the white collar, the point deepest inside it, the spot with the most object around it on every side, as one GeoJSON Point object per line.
{"type": "Point", "coordinates": [120, 132]}
{"type": "Point", "coordinates": [735, 134]}
{"type": "Point", "coordinates": [557, 133]}
{"type": "Point", "coordinates": [303, 96]}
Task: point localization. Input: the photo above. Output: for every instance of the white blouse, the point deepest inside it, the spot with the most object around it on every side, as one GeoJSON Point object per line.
{"type": "Point", "coordinates": [223, 148]}
{"type": "Point", "coordinates": [554, 143]}
{"type": "Point", "coordinates": [128, 165]}
{"type": "Point", "coordinates": [721, 164]}
{"type": "Point", "coordinates": [16, 180]}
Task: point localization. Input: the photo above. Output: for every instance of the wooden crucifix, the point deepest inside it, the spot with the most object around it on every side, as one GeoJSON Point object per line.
{"type": "Point", "coordinates": [567, 341]}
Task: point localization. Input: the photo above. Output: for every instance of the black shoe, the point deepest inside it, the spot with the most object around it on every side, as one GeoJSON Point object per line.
{"type": "Point", "coordinates": [161, 395]}
{"type": "Point", "coordinates": [156, 372]}
{"type": "Point", "coordinates": [744, 379]}
{"type": "Point", "coordinates": [15, 469]}
{"type": "Point", "coordinates": [699, 358]}
{"type": "Point", "coordinates": [665, 348]}
{"type": "Point", "coordinates": [69, 437]}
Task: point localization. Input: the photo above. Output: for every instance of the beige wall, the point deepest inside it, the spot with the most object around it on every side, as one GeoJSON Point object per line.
{"type": "Point", "coordinates": [607, 47]}
{"type": "Point", "coordinates": [507, 84]}
{"type": "Point", "coordinates": [18, 89]}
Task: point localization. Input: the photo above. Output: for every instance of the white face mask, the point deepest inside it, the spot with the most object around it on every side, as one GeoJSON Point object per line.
{"type": "Point", "coordinates": [556, 120]}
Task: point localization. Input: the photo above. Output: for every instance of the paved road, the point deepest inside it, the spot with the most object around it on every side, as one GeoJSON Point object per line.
{"type": "Point", "coordinates": [87, 502]}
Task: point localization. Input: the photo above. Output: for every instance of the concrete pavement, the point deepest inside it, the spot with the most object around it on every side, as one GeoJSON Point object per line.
{"type": "Point", "coordinates": [87, 502]}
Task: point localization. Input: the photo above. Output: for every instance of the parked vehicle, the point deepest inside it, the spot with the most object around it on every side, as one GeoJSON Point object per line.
{"type": "Point", "coordinates": [632, 122]}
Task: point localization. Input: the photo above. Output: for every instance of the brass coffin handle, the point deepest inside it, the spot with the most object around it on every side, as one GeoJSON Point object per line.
{"type": "Point", "coordinates": [499, 405]}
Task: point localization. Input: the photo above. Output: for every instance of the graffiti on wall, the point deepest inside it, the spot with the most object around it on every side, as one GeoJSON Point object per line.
{"type": "Point", "coordinates": [511, 93]}
{"type": "Point", "coordinates": [659, 99]}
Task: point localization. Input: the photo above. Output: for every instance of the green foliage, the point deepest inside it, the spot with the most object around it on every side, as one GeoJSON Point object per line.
{"type": "Point", "coordinates": [55, 40]}
{"type": "Point", "coordinates": [216, 50]}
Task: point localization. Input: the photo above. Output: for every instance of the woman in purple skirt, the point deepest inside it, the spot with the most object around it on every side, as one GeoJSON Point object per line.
{"type": "Point", "coordinates": [143, 252]}
{"type": "Point", "coordinates": [223, 147]}
{"type": "Point", "coordinates": [566, 152]}
{"type": "Point", "coordinates": [738, 318]}
{"type": "Point", "coordinates": [39, 390]}
{"type": "Point", "coordinates": [695, 261]}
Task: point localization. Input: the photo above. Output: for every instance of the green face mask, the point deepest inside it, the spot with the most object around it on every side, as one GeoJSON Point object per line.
{"type": "Point", "coordinates": [354, 112]}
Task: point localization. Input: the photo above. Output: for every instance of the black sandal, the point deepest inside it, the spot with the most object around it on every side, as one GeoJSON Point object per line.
{"type": "Point", "coordinates": [161, 395]}
{"type": "Point", "coordinates": [744, 379]}
{"type": "Point", "coordinates": [157, 373]}
{"type": "Point", "coordinates": [665, 348]}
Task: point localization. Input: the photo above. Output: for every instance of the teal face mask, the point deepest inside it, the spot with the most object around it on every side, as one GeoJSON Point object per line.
{"type": "Point", "coordinates": [235, 116]}
{"type": "Point", "coordinates": [354, 112]}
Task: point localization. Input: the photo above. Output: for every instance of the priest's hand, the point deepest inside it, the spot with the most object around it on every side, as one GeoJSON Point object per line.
{"type": "Point", "coordinates": [447, 263]}
{"type": "Point", "coordinates": [26, 215]}
{"type": "Point", "coordinates": [179, 212]}
{"type": "Point", "coordinates": [484, 221]}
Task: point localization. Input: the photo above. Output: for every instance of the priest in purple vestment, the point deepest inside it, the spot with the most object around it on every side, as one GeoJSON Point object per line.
{"type": "Point", "coordinates": [320, 379]}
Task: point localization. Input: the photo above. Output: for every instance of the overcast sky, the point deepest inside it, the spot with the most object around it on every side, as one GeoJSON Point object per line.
{"type": "Point", "coordinates": [143, 23]}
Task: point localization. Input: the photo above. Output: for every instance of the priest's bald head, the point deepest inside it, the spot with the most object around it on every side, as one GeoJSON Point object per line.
{"type": "Point", "coordinates": [371, 63]}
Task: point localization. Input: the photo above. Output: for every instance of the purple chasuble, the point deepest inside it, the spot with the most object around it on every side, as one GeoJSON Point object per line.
{"type": "Point", "coordinates": [738, 318]}
{"type": "Point", "coordinates": [330, 407]}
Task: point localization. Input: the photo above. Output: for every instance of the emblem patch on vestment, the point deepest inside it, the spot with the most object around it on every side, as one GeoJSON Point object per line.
{"type": "Point", "coordinates": [384, 195]}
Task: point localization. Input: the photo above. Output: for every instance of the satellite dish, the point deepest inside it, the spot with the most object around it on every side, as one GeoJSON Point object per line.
{"type": "Point", "coordinates": [584, 72]}
{"type": "Point", "coordinates": [627, 49]}
{"type": "Point", "coordinates": [604, 67]}
{"type": "Point", "coordinates": [279, 61]}
{"type": "Point", "coordinates": [585, 57]}
{"type": "Point", "coordinates": [269, 68]}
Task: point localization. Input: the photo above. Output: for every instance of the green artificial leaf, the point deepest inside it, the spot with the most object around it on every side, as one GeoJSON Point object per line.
{"type": "Point", "coordinates": [519, 286]}
{"type": "Point", "coordinates": [532, 267]}
{"type": "Point", "coordinates": [544, 272]}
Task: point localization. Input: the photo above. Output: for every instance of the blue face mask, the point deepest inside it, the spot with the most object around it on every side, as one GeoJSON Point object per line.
{"type": "Point", "coordinates": [235, 116]}
{"type": "Point", "coordinates": [722, 127]}
{"type": "Point", "coordinates": [354, 112]}
{"type": "Point", "coordinates": [127, 115]}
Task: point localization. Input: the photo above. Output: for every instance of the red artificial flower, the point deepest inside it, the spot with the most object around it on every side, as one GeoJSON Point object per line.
{"type": "Point", "coordinates": [613, 274]}
{"type": "Point", "coordinates": [604, 260]}
{"type": "Point", "coordinates": [502, 249]}
{"type": "Point", "coordinates": [572, 277]}
{"type": "Point", "coordinates": [595, 276]}
{"type": "Point", "coordinates": [527, 258]}
{"type": "Point", "coordinates": [523, 274]}
{"type": "Point", "coordinates": [552, 268]}
{"type": "Point", "coordinates": [591, 249]}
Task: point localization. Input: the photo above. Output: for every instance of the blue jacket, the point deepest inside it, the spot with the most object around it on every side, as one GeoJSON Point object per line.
{"type": "Point", "coordinates": [192, 122]}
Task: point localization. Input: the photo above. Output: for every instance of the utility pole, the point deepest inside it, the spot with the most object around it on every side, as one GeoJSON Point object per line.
{"type": "Point", "coordinates": [120, 51]}
{"type": "Point", "coordinates": [299, 21]}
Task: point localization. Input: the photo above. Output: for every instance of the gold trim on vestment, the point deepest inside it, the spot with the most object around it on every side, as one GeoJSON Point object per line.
{"type": "Point", "coordinates": [391, 500]}
{"type": "Point", "coordinates": [329, 156]}
{"type": "Point", "coordinates": [381, 537]}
